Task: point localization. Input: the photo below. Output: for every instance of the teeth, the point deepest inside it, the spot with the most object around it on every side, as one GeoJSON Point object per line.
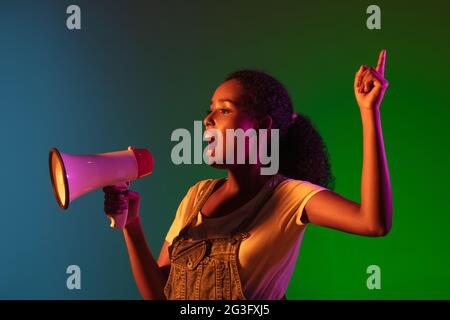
{"type": "Point", "coordinates": [208, 135]}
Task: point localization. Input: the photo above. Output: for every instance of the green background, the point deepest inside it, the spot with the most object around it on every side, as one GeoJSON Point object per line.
{"type": "Point", "coordinates": [138, 70]}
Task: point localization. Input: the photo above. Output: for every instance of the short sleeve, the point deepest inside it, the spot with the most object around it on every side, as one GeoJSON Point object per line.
{"type": "Point", "coordinates": [177, 222]}
{"type": "Point", "coordinates": [183, 209]}
{"type": "Point", "coordinates": [305, 191]}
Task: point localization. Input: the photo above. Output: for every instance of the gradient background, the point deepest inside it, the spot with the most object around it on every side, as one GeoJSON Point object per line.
{"type": "Point", "coordinates": [138, 70]}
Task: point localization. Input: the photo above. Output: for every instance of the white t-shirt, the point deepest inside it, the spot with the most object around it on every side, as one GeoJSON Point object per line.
{"type": "Point", "coordinates": [267, 258]}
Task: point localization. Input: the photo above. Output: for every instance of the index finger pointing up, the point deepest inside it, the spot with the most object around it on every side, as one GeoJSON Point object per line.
{"type": "Point", "coordinates": [381, 62]}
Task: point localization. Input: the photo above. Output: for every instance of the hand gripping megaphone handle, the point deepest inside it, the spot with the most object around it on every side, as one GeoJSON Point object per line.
{"type": "Point", "coordinates": [119, 220]}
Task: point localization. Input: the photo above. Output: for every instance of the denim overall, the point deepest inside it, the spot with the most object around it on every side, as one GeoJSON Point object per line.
{"type": "Point", "coordinates": [206, 269]}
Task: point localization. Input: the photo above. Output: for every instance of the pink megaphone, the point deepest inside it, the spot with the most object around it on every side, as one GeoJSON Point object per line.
{"type": "Point", "coordinates": [74, 175]}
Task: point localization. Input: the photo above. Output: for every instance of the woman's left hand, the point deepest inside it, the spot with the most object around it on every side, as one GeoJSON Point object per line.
{"type": "Point", "coordinates": [370, 84]}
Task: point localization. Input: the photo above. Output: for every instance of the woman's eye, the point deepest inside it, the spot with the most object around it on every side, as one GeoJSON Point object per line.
{"type": "Point", "coordinates": [221, 110]}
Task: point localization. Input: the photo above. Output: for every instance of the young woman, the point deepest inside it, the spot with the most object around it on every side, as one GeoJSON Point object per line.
{"type": "Point", "coordinates": [238, 237]}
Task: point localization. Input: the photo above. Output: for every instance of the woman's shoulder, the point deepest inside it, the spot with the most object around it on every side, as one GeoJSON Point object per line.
{"type": "Point", "coordinates": [190, 197]}
{"type": "Point", "coordinates": [293, 186]}
{"type": "Point", "coordinates": [201, 183]}
{"type": "Point", "coordinates": [196, 187]}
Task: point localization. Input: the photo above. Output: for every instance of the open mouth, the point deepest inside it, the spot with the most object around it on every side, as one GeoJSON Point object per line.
{"type": "Point", "coordinates": [208, 136]}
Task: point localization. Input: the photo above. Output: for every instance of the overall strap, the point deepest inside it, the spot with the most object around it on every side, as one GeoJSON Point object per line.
{"type": "Point", "coordinates": [203, 196]}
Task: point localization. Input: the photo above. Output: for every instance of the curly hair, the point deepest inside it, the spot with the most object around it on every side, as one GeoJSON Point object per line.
{"type": "Point", "coordinates": [303, 153]}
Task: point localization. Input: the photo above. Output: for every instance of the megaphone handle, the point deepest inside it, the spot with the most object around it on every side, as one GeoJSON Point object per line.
{"type": "Point", "coordinates": [119, 220]}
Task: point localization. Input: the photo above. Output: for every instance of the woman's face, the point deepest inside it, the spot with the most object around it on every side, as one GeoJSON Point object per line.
{"type": "Point", "coordinates": [227, 112]}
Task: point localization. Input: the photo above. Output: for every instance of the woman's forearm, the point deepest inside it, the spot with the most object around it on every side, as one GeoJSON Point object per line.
{"type": "Point", "coordinates": [376, 197]}
{"type": "Point", "coordinates": [149, 277]}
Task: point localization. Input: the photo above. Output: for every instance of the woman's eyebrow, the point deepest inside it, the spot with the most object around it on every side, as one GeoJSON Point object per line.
{"type": "Point", "coordinates": [223, 100]}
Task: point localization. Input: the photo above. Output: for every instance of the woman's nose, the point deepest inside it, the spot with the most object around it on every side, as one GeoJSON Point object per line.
{"type": "Point", "coordinates": [208, 120]}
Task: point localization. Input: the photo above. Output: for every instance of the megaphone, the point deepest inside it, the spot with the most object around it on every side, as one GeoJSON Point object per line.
{"type": "Point", "coordinates": [74, 175]}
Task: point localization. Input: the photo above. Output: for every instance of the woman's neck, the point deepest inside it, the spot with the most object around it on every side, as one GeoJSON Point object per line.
{"type": "Point", "coordinates": [246, 179]}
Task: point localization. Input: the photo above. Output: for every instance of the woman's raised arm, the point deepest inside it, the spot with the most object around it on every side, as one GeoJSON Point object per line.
{"type": "Point", "coordinates": [373, 216]}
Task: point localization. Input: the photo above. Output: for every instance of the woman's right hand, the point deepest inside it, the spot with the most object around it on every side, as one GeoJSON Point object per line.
{"type": "Point", "coordinates": [119, 198]}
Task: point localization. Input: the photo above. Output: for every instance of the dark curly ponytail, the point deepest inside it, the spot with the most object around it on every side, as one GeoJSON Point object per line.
{"type": "Point", "coordinates": [303, 154]}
